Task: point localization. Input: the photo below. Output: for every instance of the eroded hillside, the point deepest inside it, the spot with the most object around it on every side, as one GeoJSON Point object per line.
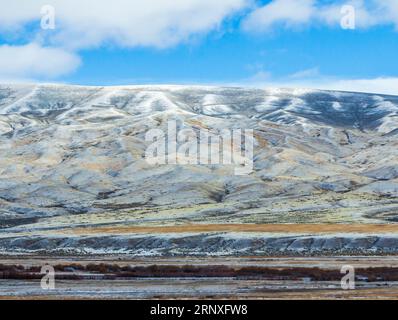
{"type": "Point", "coordinates": [73, 157]}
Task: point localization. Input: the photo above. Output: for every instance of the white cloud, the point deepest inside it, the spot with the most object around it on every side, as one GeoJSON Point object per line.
{"type": "Point", "coordinates": [299, 13]}
{"type": "Point", "coordinates": [390, 10]}
{"type": "Point", "coordinates": [36, 62]}
{"type": "Point", "coordinates": [128, 23]}
{"type": "Point", "coordinates": [288, 12]}
{"type": "Point", "coordinates": [303, 74]}
{"type": "Point", "coordinates": [365, 15]}
{"type": "Point", "coordinates": [92, 23]}
{"type": "Point", "coordinates": [13, 14]}
{"type": "Point", "coordinates": [260, 76]}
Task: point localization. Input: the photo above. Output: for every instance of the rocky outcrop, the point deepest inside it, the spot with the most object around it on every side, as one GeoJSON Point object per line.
{"type": "Point", "coordinates": [206, 245]}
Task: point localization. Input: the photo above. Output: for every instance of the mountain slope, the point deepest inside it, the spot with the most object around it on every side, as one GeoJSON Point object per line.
{"type": "Point", "coordinates": [74, 156]}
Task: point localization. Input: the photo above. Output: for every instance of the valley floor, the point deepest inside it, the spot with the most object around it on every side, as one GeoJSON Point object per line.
{"type": "Point", "coordinates": [124, 277]}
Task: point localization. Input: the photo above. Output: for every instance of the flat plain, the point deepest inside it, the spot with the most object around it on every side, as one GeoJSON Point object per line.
{"type": "Point", "coordinates": [97, 277]}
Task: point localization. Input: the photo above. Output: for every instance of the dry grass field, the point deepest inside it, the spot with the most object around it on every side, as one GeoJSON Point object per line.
{"type": "Point", "coordinates": [263, 228]}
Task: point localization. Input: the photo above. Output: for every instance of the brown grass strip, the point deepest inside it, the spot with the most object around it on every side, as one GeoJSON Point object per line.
{"type": "Point", "coordinates": [266, 228]}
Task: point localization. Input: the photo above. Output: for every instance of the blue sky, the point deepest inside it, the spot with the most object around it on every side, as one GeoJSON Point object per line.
{"type": "Point", "coordinates": [234, 42]}
{"type": "Point", "coordinates": [237, 57]}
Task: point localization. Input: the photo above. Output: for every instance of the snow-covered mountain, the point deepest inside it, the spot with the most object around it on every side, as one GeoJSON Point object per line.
{"type": "Point", "coordinates": [65, 104]}
{"type": "Point", "coordinates": [73, 156]}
